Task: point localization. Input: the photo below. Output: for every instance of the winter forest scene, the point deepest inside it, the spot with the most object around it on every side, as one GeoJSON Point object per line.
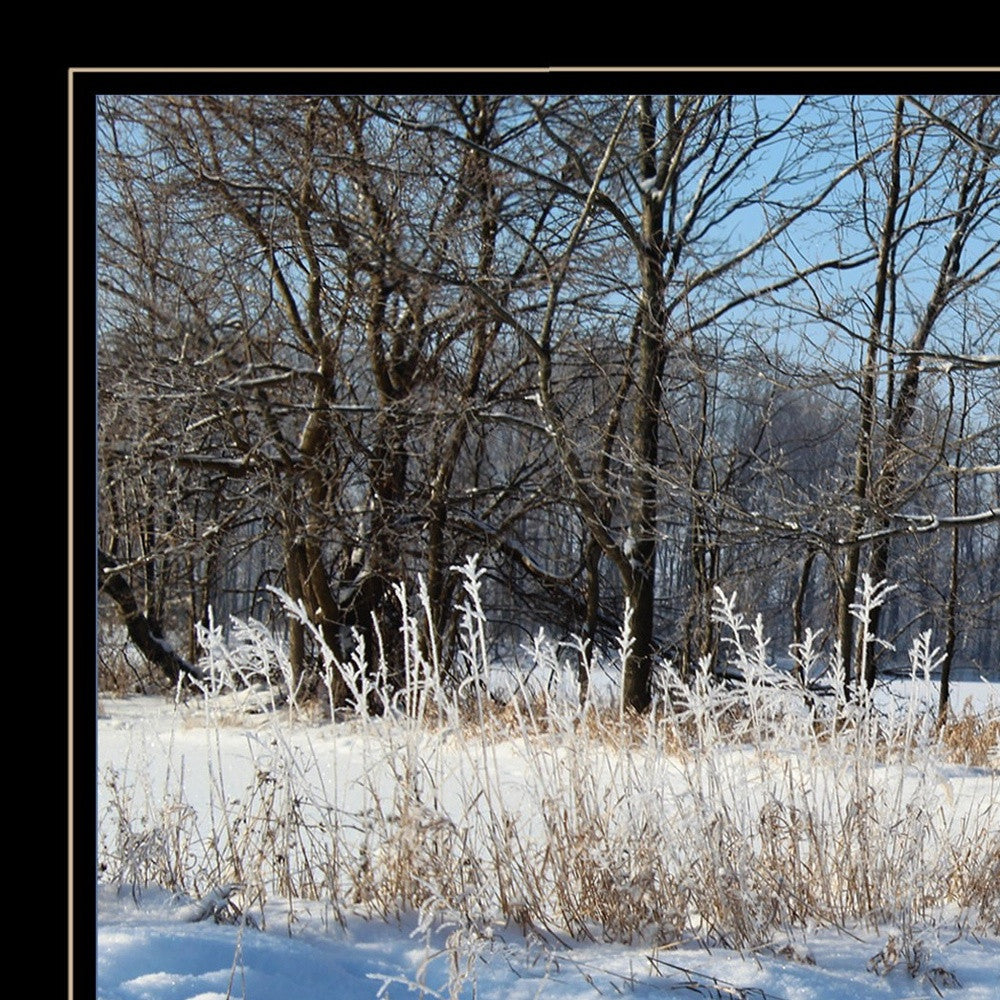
{"type": "Point", "coordinates": [548, 546]}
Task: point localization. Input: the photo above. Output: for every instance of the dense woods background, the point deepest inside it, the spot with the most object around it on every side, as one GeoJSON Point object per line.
{"type": "Point", "coordinates": [628, 349]}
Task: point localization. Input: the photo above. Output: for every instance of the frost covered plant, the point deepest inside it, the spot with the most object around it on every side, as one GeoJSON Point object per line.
{"type": "Point", "coordinates": [914, 957]}
{"type": "Point", "coordinates": [873, 595]}
{"type": "Point", "coordinates": [251, 662]}
{"type": "Point", "coordinates": [738, 810]}
{"type": "Point", "coordinates": [772, 697]}
{"type": "Point", "coordinates": [147, 845]}
{"type": "Point", "coordinates": [626, 640]}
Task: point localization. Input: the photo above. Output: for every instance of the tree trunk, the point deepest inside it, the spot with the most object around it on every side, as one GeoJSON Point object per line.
{"type": "Point", "coordinates": [296, 628]}
{"type": "Point", "coordinates": [951, 606]}
{"type": "Point", "coordinates": [847, 583]}
{"type": "Point", "coordinates": [951, 615]}
{"type": "Point", "coordinates": [798, 607]}
{"type": "Point", "coordinates": [646, 427]}
{"type": "Point", "coordinates": [147, 637]}
{"type": "Point", "coordinates": [592, 603]}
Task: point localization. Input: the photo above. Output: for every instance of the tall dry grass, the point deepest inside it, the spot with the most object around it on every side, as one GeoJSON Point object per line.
{"type": "Point", "coordinates": [738, 813]}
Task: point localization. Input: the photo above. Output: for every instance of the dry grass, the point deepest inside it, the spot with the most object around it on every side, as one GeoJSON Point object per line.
{"type": "Point", "coordinates": [971, 738]}
{"type": "Point", "coordinates": [737, 816]}
{"type": "Point", "coordinates": [121, 671]}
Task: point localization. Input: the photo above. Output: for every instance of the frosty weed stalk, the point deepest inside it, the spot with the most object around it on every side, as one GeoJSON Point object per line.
{"type": "Point", "coordinates": [736, 813]}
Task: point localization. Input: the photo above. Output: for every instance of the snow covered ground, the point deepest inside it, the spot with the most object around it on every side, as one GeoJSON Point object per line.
{"type": "Point", "coordinates": [147, 952]}
{"type": "Point", "coordinates": [199, 757]}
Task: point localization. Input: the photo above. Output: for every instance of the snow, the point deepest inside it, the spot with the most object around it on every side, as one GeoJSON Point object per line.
{"type": "Point", "coordinates": [151, 946]}
{"type": "Point", "coordinates": [144, 953]}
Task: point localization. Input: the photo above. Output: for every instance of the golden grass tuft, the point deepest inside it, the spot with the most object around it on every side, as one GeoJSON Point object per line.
{"type": "Point", "coordinates": [971, 738]}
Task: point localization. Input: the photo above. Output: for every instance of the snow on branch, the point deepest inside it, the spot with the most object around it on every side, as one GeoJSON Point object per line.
{"type": "Point", "coordinates": [948, 361]}
{"type": "Point", "coordinates": [920, 523]}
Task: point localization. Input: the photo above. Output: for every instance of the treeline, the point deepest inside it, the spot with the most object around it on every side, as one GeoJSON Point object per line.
{"type": "Point", "coordinates": [628, 349]}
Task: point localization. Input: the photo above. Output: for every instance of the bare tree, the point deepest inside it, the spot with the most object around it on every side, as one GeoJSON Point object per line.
{"type": "Point", "coordinates": [319, 339]}
{"type": "Point", "coordinates": [663, 180]}
{"type": "Point", "coordinates": [932, 188]}
{"type": "Point", "coordinates": [608, 341]}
